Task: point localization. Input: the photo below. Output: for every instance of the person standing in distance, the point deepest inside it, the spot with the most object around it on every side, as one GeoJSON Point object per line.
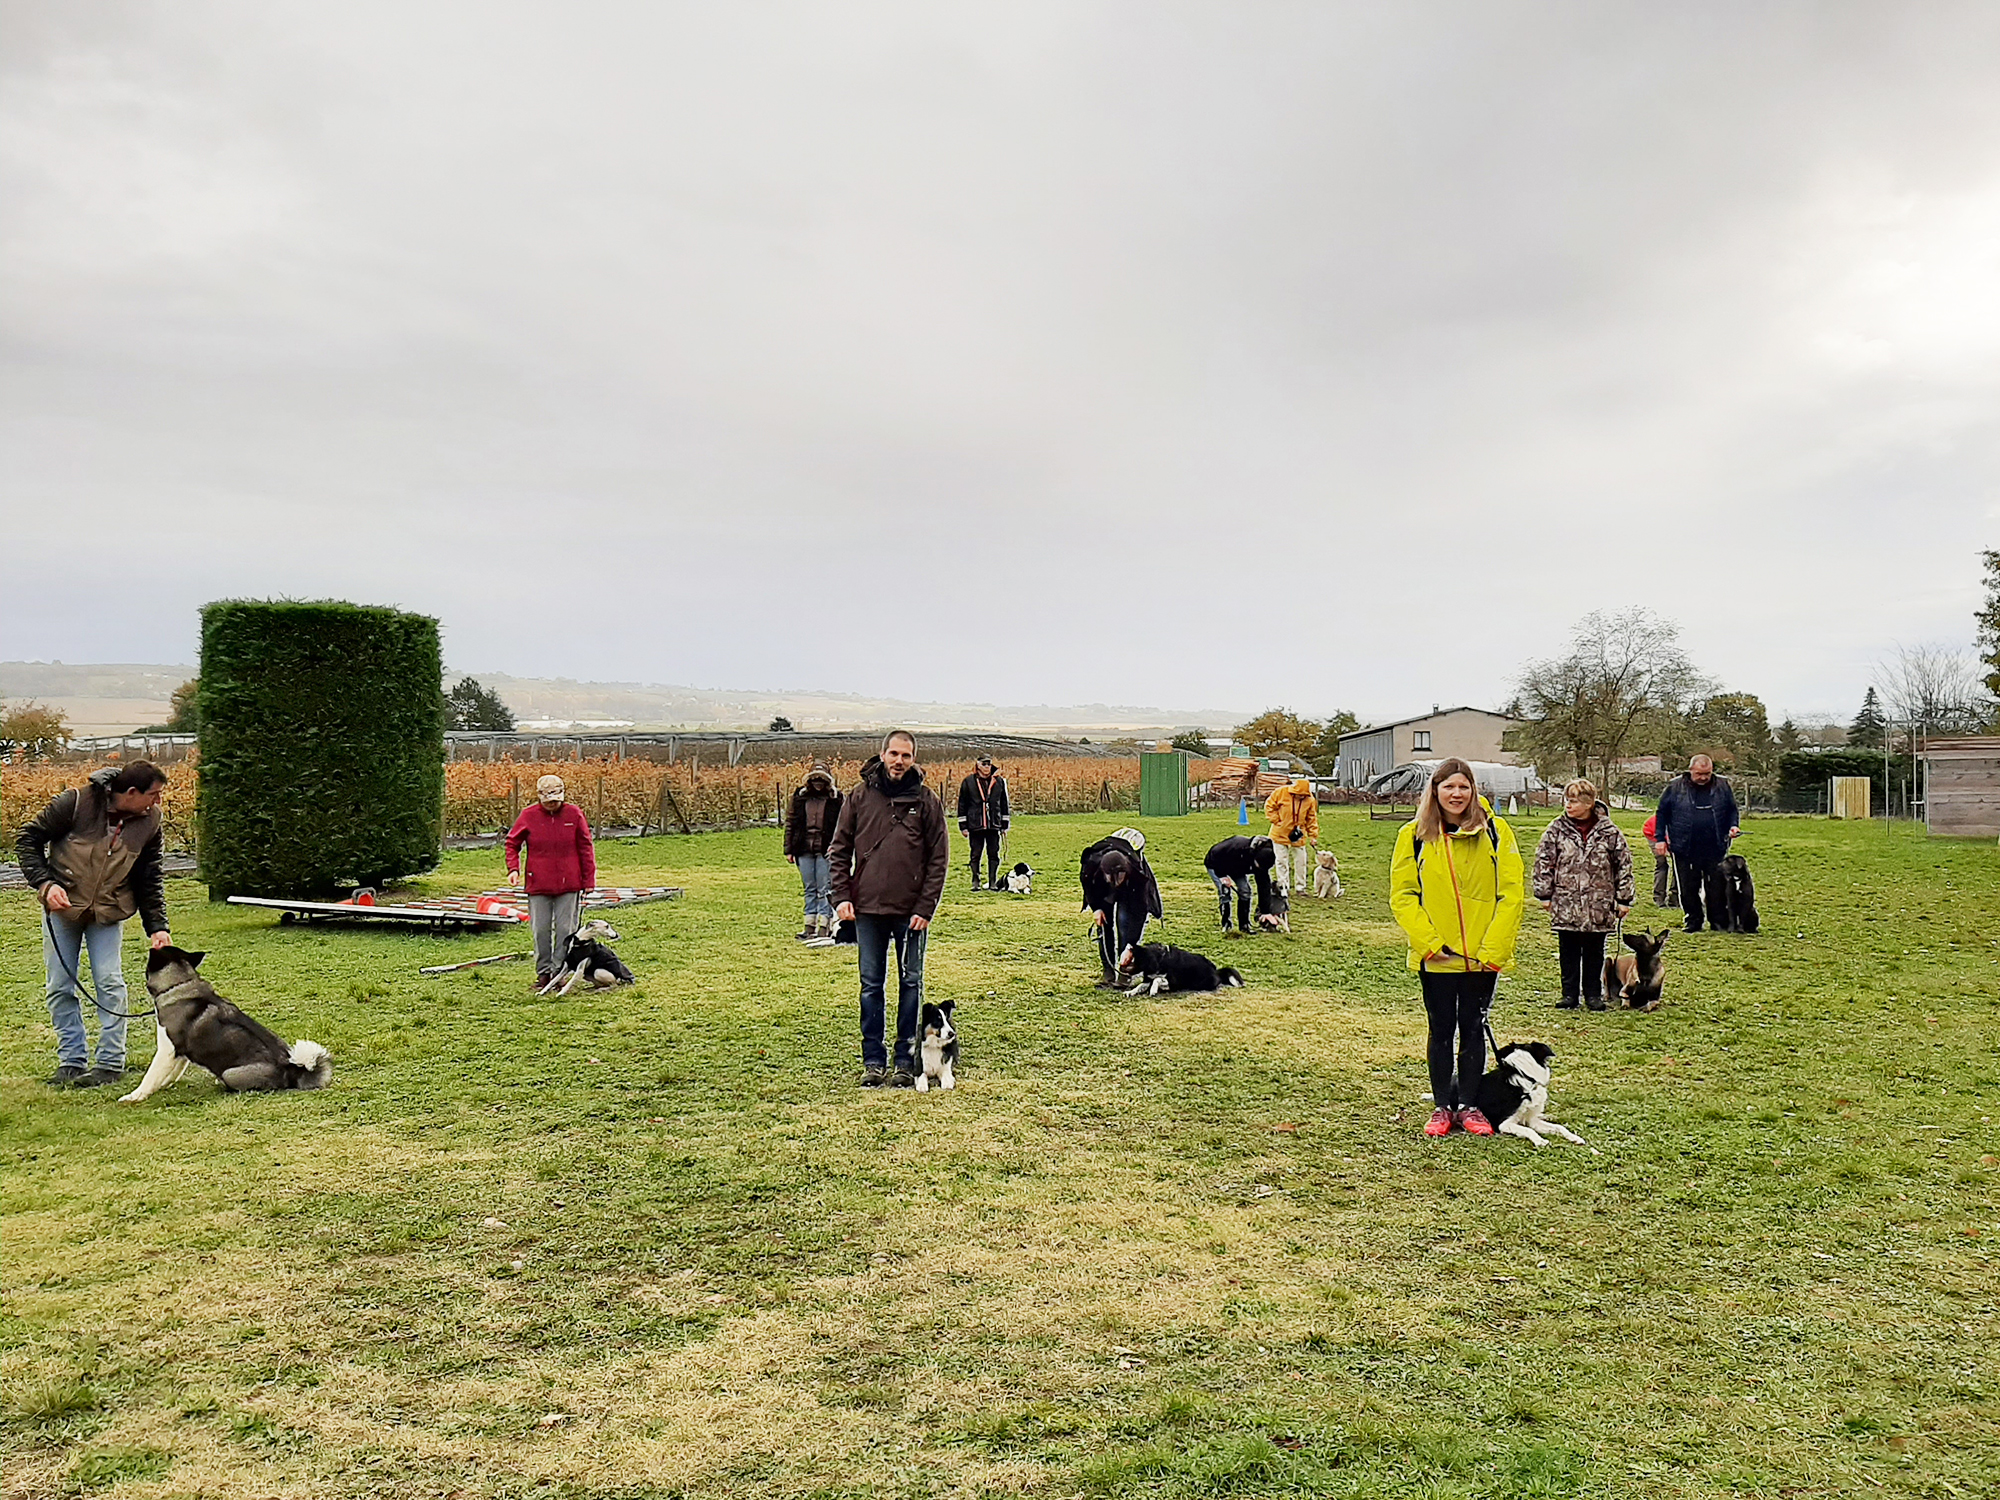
{"type": "Point", "coordinates": [93, 856]}
{"type": "Point", "coordinates": [983, 817]}
{"type": "Point", "coordinates": [808, 831]}
{"type": "Point", "coordinates": [1456, 890]}
{"type": "Point", "coordinates": [1583, 879]}
{"type": "Point", "coordinates": [562, 865]}
{"type": "Point", "coordinates": [1294, 814]}
{"type": "Point", "coordinates": [1696, 822]}
{"type": "Point", "coordinates": [890, 851]}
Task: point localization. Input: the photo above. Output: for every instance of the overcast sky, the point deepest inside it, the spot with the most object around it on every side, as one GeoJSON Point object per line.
{"type": "Point", "coordinates": [1229, 354]}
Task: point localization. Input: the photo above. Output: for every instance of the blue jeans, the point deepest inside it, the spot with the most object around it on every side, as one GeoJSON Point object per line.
{"type": "Point", "coordinates": [874, 936]}
{"type": "Point", "coordinates": [63, 945]}
{"type": "Point", "coordinates": [816, 875]}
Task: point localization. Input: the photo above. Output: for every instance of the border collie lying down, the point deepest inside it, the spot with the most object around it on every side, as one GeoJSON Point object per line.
{"type": "Point", "coordinates": [1160, 967]}
{"type": "Point", "coordinates": [1019, 881]}
{"type": "Point", "coordinates": [1516, 1092]}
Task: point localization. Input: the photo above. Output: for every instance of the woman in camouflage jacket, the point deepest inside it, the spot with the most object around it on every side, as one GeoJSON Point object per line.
{"type": "Point", "coordinates": [1583, 877]}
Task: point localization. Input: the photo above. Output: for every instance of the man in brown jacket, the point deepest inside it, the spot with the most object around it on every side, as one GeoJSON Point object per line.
{"type": "Point", "coordinates": [889, 854]}
{"type": "Point", "coordinates": [93, 855]}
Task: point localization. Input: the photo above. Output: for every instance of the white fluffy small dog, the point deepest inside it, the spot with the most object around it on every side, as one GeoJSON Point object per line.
{"type": "Point", "coordinates": [1326, 875]}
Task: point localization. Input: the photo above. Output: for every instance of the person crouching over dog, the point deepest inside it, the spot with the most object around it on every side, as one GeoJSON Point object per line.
{"type": "Point", "coordinates": [1234, 865]}
{"type": "Point", "coordinates": [808, 834]}
{"type": "Point", "coordinates": [1584, 880]}
{"type": "Point", "coordinates": [1294, 814]}
{"type": "Point", "coordinates": [1455, 888]}
{"type": "Point", "coordinates": [93, 856]}
{"type": "Point", "coordinates": [890, 851]}
{"type": "Point", "coordinates": [983, 817]}
{"type": "Point", "coordinates": [1120, 893]}
{"type": "Point", "coordinates": [562, 865]}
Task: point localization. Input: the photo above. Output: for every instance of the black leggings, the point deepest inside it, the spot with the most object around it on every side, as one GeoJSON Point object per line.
{"type": "Point", "coordinates": [1457, 1004]}
{"type": "Point", "coordinates": [1581, 955]}
{"type": "Point", "coordinates": [989, 839]}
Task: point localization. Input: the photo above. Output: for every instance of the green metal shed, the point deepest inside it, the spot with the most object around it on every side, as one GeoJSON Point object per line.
{"type": "Point", "coordinates": [1163, 783]}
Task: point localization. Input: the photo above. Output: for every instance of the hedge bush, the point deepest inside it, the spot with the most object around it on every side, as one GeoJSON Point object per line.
{"type": "Point", "coordinates": [322, 746]}
{"type": "Point", "coordinates": [1803, 774]}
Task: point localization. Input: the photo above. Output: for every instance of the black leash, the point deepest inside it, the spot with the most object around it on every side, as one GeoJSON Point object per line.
{"type": "Point", "coordinates": [77, 979]}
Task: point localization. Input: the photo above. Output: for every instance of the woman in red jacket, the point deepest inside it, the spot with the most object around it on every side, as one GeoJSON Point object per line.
{"type": "Point", "coordinates": [1663, 868]}
{"type": "Point", "coordinates": [562, 865]}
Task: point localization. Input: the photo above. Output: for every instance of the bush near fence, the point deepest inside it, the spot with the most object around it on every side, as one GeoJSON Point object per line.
{"type": "Point", "coordinates": [26, 789]}
{"type": "Point", "coordinates": [484, 796]}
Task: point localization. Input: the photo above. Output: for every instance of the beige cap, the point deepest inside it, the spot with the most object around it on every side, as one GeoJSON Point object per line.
{"type": "Point", "coordinates": [549, 784]}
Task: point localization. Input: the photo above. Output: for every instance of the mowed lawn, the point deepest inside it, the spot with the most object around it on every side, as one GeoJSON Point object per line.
{"type": "Point", "coordinates": [655, 1242]}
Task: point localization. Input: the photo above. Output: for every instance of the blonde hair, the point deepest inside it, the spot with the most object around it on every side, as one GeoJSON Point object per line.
{"type": "Point", "coordinates": [1580, 788]}
{"type": "Point", "coordinates": [1430, 815]}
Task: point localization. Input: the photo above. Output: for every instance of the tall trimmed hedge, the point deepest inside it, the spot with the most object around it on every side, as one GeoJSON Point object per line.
{"type": "Point", "coordinates": [322, 746]}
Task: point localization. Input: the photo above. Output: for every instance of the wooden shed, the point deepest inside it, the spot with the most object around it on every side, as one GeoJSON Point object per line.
{"type": "Point", "coordinates": [1962, 787]}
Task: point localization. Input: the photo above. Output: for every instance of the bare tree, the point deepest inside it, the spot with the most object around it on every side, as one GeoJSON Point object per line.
{"type": "Point", "coordinates": [1934, 690]}
{"type": "Point", "coordinates": [1623, 676]}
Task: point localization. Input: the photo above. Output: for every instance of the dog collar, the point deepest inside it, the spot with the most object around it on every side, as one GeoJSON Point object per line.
{"type": "Point", "coordinates": [167, 994]}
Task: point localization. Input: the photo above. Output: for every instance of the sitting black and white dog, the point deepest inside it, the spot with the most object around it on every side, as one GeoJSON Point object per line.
{"type": "Point", "coordinates": [1731, 895]}
{"type": "Point", "coordinates": [586, 960]}
{"type": "Point", "coordinates": [937, 1047]}
{"type": "Point", "coordinates": [1516, 1092]}
{"type": "Point", "coordinates": [1019, 881]}
{"type": "Point", "coordinates": [1161, 967]}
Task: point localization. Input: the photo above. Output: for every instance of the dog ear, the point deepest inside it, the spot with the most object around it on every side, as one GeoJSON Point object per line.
{"type": "Point", "coordinates": [194, 959]}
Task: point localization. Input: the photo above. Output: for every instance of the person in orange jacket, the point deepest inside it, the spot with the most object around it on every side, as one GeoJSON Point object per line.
{"type": "Point", "coordinates": [1294, 814]}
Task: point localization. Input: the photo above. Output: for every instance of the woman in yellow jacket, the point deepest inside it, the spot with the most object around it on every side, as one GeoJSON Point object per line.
{"type": "Point", "coordinates": [1455, 886]}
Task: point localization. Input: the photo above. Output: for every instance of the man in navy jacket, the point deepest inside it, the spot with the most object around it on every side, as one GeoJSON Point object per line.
{"type": "Point", "coordinates": [1695, 822]}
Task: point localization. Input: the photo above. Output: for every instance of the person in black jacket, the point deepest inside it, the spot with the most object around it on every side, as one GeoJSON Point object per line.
{"type": "Point", "coordinates": [983, 818]}
{"type": "Point", "coordinates": [1696, 821]}
{"type": "Point", "coordinates": [1233, 865]}
{"type": "Point", "coordinates": [93, 857]}
{"type": "Point", "coordinates": [808, 835]}
{"type": "Point", "coordinates": [1120, 893]}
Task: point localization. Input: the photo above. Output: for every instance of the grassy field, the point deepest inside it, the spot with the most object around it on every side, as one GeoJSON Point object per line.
{"type": "Point", "coordinates": [656, 1243]}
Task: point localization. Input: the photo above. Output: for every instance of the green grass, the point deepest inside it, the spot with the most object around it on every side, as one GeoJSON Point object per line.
{"type": "Point", "coordinates": [1097, 1268]}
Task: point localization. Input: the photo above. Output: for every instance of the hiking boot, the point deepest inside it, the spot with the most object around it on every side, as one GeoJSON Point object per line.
{"type": "Point", "coordinates": [902, 1078]}
{"type": "Point", "coordinates": [65, 1076]}
{"type": "Point", "coordinates": [1473, 1122]}
{"type": "Point", "coordinates": [96, 1078]}
{"type": "Point", "coordinates": [1568, 1002]}
{"type": "Point", "coordinates": [808, 931]}
{"type": "Point", "coordinates": [1439, 1122]}
{"type": "Point", "coordinates": [872, 1076]}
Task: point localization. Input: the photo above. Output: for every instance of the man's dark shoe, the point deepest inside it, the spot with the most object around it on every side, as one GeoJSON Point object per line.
{"type": "Point", "coordinates": [1595, 1002]}
{"type": "Point", "coordinates": [65, 1076]}
{"type": "Point", "coordinates": [872, 1076]}
{"type": "Point", "coordinates": [96, 1078]}
{"type": "Point", "coordinates": [1568, 1002]}
{"type": "Point", "coordinates": [902, 1078]}
{"type": "Point", "coordinates": [1692, 927]}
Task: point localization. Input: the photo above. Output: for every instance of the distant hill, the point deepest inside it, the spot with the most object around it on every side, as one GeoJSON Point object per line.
{"type": "Point", "coordinates": [113, 699]}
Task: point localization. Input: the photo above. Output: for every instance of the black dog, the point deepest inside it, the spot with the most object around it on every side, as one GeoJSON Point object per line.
{"type": "Point", "coordinates": [1637, 981]}
{"type": "Point", "coordinates": [586, 960]}
{"type": "Point", "coordinates": [1161, 966]}
{"type": "Point", "coordinates": [1736, 908]}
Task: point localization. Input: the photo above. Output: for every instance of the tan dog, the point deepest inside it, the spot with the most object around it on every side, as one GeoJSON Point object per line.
{"type": "Point", "coordinates": [1326, 875]}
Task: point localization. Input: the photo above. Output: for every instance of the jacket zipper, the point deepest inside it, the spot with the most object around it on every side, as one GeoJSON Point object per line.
{"type": "Point", "coordinates": [1451, 869]}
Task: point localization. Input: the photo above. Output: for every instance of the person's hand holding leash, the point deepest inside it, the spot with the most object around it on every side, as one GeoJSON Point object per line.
{"type": "Point", "coordinates": [844, 912]}
{"type": "Point", "coordinates": [54, 897]}
{"type": "Point", "coordinates": [918, 924]}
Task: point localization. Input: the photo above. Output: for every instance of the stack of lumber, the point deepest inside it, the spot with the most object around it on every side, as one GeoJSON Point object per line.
{"type": "Point", "coordinates": [1237, 777]}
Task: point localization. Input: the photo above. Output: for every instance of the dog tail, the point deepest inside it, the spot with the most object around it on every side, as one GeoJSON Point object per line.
{"type": "Point", "coordinates": [316, 1063]}
{"type": "Point", "coordinates": [1227, 977]}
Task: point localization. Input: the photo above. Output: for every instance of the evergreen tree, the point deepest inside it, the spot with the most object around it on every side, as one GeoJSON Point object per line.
{"type": "Point", "coordinates": [471, 706]}
{"type": "Point", "coordinates": [1988, 619]}
{"type": "Point", "coordinates": [1194, 741]}
{"type": "Point", "coordinates": [1788, 737]}
{"type": "Point", "coordinates": [1865, 733]}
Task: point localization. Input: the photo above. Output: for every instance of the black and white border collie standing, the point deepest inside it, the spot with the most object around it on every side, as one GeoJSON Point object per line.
{"type": "Point", "coordinates": [1161, 967]}
{"type": "Point", "coordinates": [1514, 1094]}
{"type": "Point", "coordinates": [937, 1048]}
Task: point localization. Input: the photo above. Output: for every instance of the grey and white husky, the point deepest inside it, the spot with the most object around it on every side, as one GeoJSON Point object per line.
{"type": "Point", "coordinates": [198, 1025]}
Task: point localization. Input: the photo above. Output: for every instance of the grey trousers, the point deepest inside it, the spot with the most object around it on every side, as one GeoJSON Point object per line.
{"type": "Point", "coordinates": [555, 920]}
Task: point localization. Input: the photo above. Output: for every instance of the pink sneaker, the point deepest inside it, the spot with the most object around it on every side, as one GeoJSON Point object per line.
{"type": "Point", "coordinates": [1472, 1122]}
{"type": "Point", "coordinates": [1439, 1122]}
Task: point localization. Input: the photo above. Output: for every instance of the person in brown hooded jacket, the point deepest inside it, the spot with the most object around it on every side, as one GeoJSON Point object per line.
{"type": "Point", "coordinates": [809, 825]}
{"type": "Point", "coordinates": [93, 856]}
{"type": "Point", "coordinates": [889, 855]}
